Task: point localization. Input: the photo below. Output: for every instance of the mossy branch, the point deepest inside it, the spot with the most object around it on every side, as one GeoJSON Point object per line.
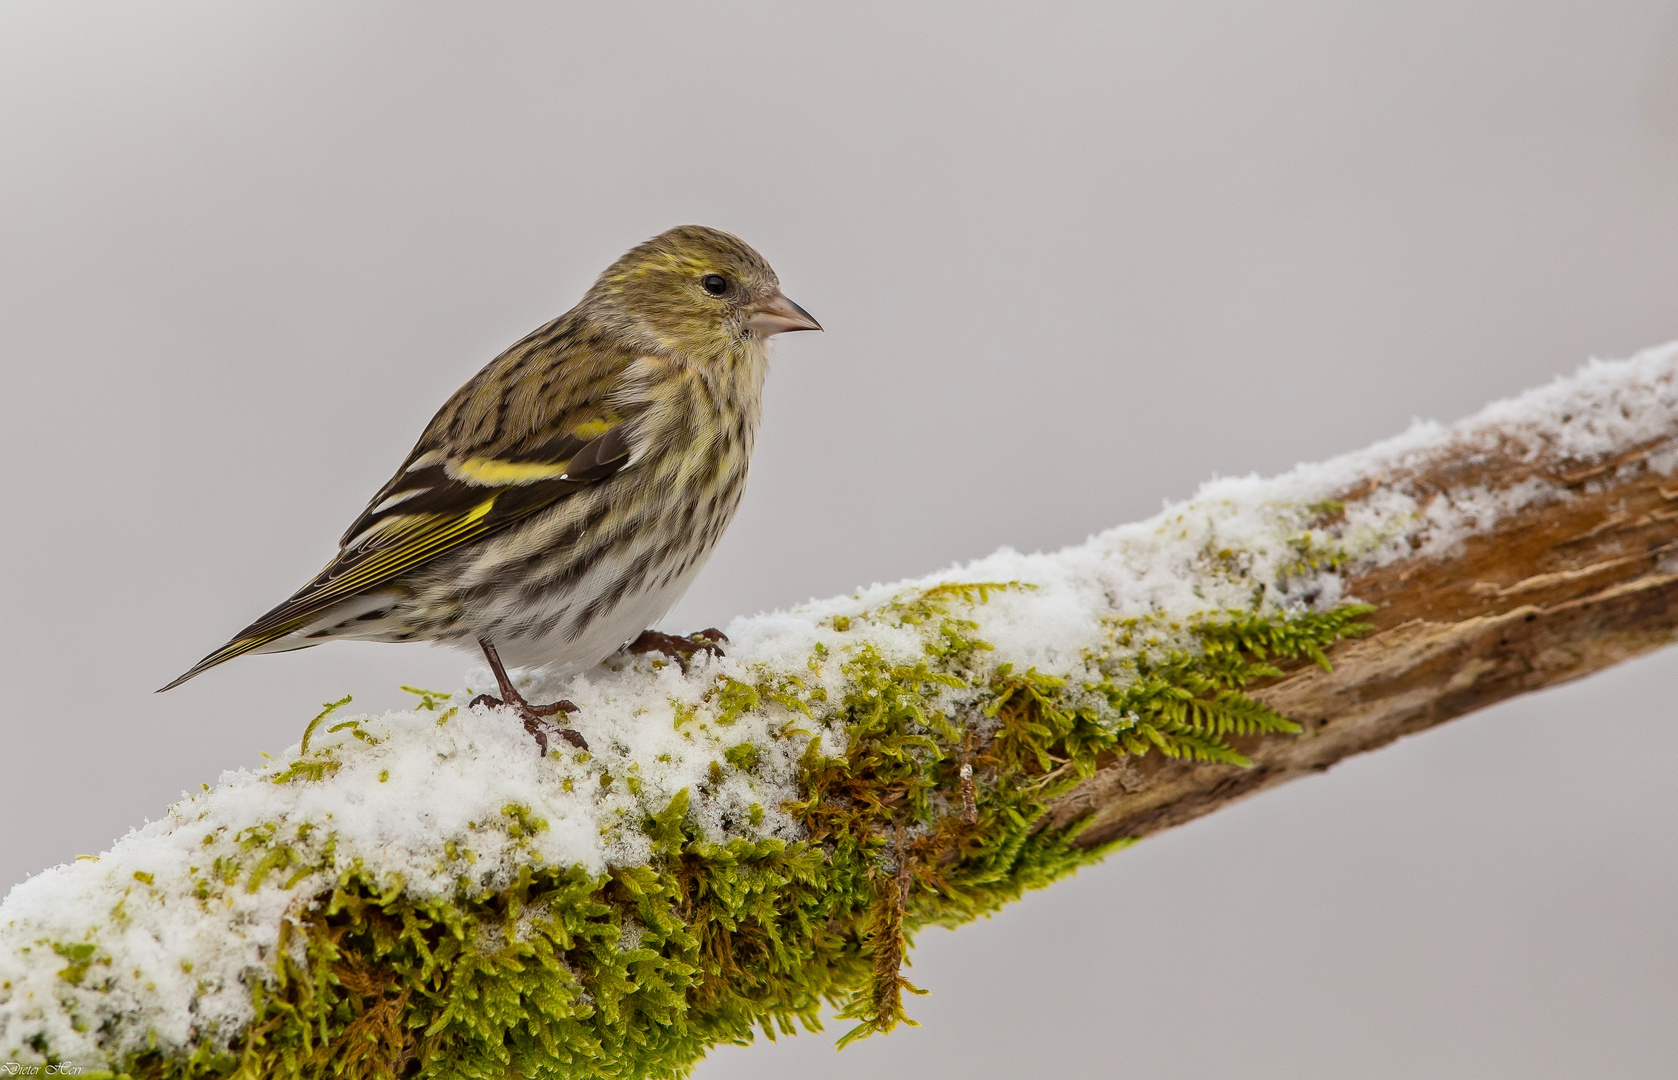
{"type": "Point", "coordinates": [941, 747]}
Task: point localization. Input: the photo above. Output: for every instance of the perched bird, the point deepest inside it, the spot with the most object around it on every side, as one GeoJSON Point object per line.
{"type": "Point", "coordinates": [564, 499]}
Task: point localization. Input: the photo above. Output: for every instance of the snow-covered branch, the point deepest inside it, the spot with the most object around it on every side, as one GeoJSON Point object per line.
{"type": "Point", "coordinates": [1539, 545]}
{"type": "Point", "coordinates": [417, 893]}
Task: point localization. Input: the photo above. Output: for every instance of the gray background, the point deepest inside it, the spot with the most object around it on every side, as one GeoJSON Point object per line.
{"type": "Point", "coordinates": [1072, 260]}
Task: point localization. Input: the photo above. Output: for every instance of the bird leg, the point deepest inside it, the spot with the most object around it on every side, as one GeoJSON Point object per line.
{"type": "Point", "coordinates": [535, 717]}
{"type": "Point", "coordinates": [677, 647]}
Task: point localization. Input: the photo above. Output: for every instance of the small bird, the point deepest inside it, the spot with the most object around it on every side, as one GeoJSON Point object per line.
{"type": "Point", "coordinates": [564, 499]}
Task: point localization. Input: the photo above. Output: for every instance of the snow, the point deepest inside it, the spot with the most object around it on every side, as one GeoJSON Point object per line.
{"type": "Point", "coordinates": [414, 792]}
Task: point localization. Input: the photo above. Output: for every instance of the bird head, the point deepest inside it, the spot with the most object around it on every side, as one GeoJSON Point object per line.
{"type": "Point", "coordinates": [694, 290]}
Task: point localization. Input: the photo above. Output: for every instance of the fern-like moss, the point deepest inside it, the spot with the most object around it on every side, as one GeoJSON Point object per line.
{"type": "Point", "coordinates": [638, 971]}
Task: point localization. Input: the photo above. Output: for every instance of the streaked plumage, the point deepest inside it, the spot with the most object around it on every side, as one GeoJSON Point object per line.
{"type": "Point", "coordinates": [564, 498]}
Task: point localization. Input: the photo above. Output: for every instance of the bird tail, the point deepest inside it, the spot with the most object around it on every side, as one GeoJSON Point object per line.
{"type": "Point", "coordinates": [239, 646]}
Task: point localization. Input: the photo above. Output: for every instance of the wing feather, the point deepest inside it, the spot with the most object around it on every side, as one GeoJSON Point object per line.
{"type": "Point", "coordinates": [435, 504]}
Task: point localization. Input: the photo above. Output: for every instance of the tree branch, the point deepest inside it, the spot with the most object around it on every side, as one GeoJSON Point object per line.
{"type": "Point", "coordinates": [759, 837]}
{"type": "Point", "coordinates": [1555, 591]}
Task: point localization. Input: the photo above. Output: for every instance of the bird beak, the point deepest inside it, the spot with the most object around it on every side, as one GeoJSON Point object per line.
{"type": "Point", "coordinates": [778, 315]}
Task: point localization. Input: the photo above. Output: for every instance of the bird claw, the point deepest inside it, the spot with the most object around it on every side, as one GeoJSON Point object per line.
{"type": "Point", "coordinates": [678, 647]}
{"type": "Point", "coordinates": [534, 716]}
{"type": "Point", "coordinates": [535, 719]}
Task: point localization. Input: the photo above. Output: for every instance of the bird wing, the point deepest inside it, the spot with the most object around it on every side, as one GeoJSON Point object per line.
{"type": "Point", "coordinates": [440, 500]}
{"type": "Point", "coordinates": [433, 506]}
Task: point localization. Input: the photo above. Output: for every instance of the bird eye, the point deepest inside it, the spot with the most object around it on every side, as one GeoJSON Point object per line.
{"type": "Point", "coordinates": [715, 284]}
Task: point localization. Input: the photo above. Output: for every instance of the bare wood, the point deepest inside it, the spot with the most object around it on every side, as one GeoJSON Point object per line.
{"type": "Point", "coordinates": [1557, 591]}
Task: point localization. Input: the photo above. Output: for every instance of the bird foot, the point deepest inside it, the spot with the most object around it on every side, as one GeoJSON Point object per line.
{"type": "Point", "coordinates": [677, 647]}
{"type": "Point", "coordinates": [536, 720]}
{"type": "Point", "coordinates": [535, 717]}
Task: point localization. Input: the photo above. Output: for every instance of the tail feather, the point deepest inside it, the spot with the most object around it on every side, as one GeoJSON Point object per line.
{"type": "Point", "coordinates": [352, 618]}
{"type": "Point", "coordinates": [239, 646]}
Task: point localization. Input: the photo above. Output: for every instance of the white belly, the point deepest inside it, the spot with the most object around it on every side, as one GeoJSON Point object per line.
{"type": "Point", "coordinates": [607, 632]}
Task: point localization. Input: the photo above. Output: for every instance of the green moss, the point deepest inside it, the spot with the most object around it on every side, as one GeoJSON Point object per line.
{"type": "Point", "coordinates": [80, 956]}
{"type": "Point", "coordinates": [521, 822]}
{"type": "Point", "coordinates": [1180, 692]}
{"type": "Point", "coordinates": [736, 699]}
{"type": "Point", "coordinates": [637, 972]}
{"type": "Point", "coordinates": [327, 710]}
{"type": "Point", "coordinates": [743, 756]}
{"type": "Point", "coordinates": [428, 699]}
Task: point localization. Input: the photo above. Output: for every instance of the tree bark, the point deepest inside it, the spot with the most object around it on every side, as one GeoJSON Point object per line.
{"type": "Point", "coordinates": [1554, 592]}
